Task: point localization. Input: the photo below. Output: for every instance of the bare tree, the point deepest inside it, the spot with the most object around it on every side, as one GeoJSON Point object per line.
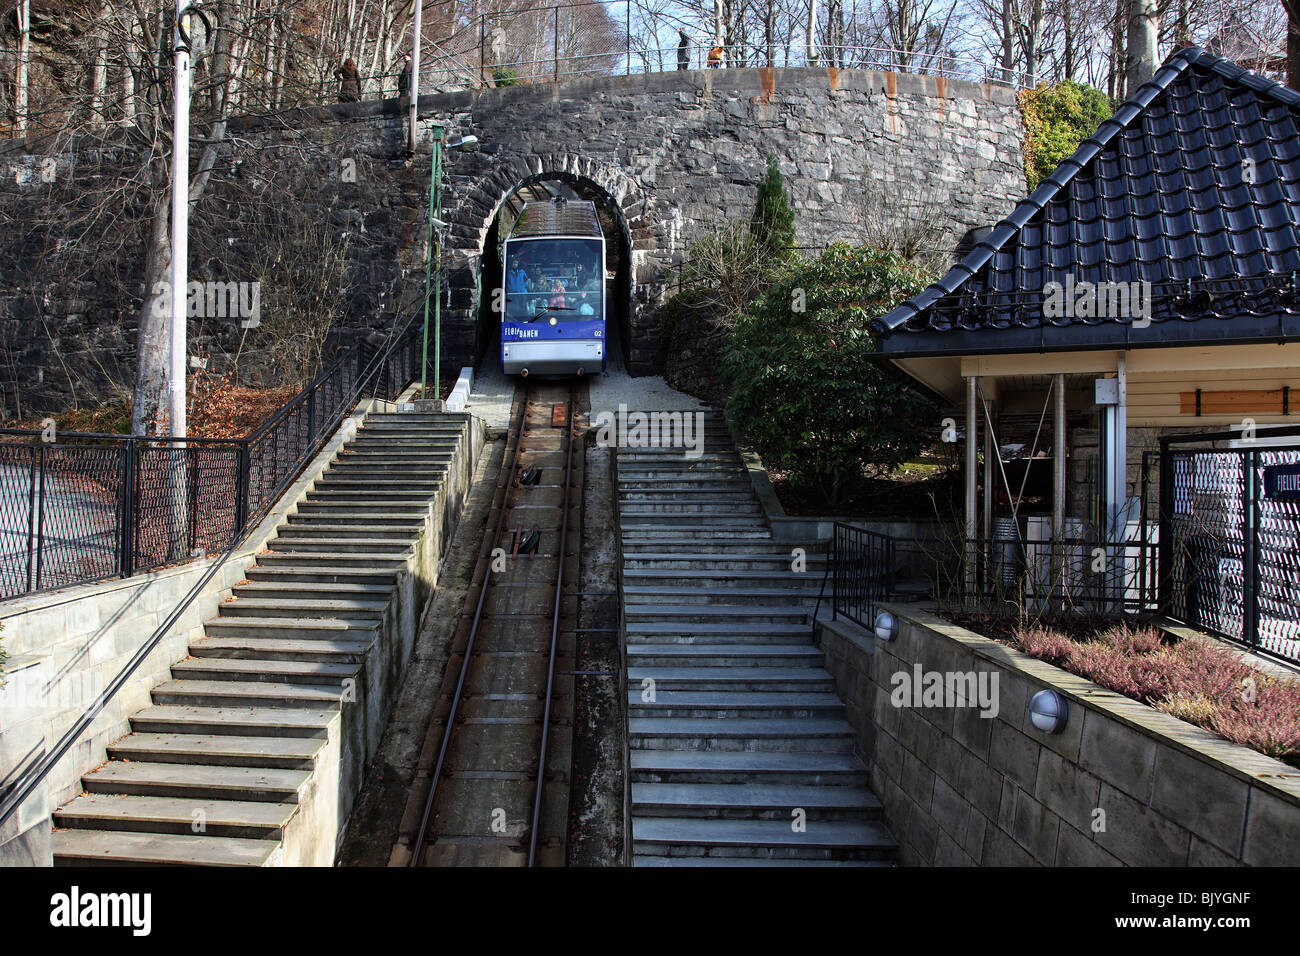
{"type": "Point", "coordinates": [1143, 31]}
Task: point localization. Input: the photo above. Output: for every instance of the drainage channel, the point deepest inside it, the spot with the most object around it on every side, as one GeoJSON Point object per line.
{"type": "Point", "coordinates": [492, 788]}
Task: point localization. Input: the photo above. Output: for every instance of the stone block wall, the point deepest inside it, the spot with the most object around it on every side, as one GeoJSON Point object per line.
{"type": "Point", "coordinates": [1121, 785]}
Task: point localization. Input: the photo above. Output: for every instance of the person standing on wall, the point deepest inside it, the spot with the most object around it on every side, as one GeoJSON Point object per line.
{"type": "Point", "coordinates": [349, 82]}
{"type": "Point", "coordinates": [683, 50]}
{"type": "Point", "coordinates": [404, 78]}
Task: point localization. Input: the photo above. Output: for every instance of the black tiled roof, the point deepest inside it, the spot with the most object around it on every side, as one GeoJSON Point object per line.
{"type": "Point", "coordinates": [1161, 193]}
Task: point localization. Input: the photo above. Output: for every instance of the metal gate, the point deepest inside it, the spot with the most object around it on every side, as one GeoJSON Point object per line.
{"type": "Point", "coordinates": [1229, 536]}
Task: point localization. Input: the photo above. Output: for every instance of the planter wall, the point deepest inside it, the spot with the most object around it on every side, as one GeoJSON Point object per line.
{"type": "Point", "coordinates": [1122, 784]}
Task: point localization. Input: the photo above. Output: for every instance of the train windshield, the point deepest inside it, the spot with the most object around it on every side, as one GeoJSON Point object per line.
{"type": "Point", "coordinates": [554, 278]}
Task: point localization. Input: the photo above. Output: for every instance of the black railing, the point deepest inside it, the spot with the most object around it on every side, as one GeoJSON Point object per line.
{"type": "Point", "coordinates": [862, 572]}
{"type": "Point", "coordinates": [86, 507]}
{"type": "Point", "coordinates": [379, 377]}
{"type": "Point", "coordinates": [1032, 571]}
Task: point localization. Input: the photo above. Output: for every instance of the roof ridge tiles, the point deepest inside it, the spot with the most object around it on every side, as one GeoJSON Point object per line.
{"type": "Point", "coordinates": [1007, 249]}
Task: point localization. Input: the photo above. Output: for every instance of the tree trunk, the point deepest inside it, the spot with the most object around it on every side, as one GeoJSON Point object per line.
{"type": "Point", "coordinates": [1008, 40]}
{"type": "Point", "coordinates": [810, 35]}
{"type": "Point", "coordinates": [769, 32]}
{"type": "Point", "coordinates": [1068, 52]}
{"type": "Point", "coordinates": [24, 58]}
{"type": "Point", "coordinates": [1118, 53]}
{"type": "Point", "coordinates": [1032, 34]}
{"type": "Point", "coordinates": [99, 72]}
{"type": "Point", "coordinates": [1143, 28]}
{"type": "Point", "coordinates": [154, 337]}
{"type": "Point", "coordinates": [1293, 44]}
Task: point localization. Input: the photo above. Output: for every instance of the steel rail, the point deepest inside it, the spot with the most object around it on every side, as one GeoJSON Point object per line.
{"type": "Point", "coordinates": [555, 628]}
{"type": "Point", "coordinates": [417, 845]}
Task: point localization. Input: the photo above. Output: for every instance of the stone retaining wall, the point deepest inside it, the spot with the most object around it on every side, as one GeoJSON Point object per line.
{"type": "Point", "coordinates": [671, 155]}
{"type": "Point", "coordinates": [1122, 784]}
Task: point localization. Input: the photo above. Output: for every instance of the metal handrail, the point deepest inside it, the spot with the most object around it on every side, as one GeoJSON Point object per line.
{"type": "Point", "coordinates": [624, 708]}
{"type": "Point", "coordinates": [18, 792]}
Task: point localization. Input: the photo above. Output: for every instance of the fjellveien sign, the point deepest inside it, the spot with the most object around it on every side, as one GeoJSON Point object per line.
{"type": "Point", "coordinates": [1282, 482]}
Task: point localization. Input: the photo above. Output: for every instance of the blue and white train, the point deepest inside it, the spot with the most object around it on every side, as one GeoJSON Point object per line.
{"type": "Point", "coordinates": [553, 322]}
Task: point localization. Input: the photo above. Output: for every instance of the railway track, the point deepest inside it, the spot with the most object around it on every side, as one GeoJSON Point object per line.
{"type": "Point", "coordinates": [492, 788]}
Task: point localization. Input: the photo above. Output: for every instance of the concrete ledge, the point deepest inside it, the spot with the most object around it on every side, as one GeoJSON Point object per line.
{"type": "Point", "coordinates": [1122, 784]}
{"type": "Point", "coordinates": [460, 392]}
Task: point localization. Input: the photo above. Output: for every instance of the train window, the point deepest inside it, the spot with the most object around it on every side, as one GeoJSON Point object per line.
{"type": "Point", "coordinates": [554, 278]}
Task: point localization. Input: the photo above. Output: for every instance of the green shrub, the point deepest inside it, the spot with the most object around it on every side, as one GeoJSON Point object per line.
{"type": "Point", "coordinates": [772, 224]}
{"type": "Point", "coordinates": [1057, 119]}
{"type": "Point", "coordinates": [805, 389]}
{"type": "Point", "coordinates": [504, 76]}
{"type": "Point", "coordinates": [726, 270]}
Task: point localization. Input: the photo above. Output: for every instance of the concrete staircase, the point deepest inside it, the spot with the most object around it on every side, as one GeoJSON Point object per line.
{"type": "Point", "coordinates": [247, 731]}
{"type": "Point", "coordinates": [743, 727]}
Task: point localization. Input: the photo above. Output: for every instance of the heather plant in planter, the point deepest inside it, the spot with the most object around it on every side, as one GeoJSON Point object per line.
{"type": "Point", "coordinates": [1195, 679]}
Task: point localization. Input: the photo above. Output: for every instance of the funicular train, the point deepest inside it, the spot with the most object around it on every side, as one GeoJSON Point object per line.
{"type": "Point", "coordinates": [553, 322]}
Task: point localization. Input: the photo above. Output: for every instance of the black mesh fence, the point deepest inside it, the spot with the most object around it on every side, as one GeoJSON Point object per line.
{"type": "Point", "coordinates": [60, 514]}
{"type": "Point", "coordinates": [89, 507]}
{"type": "Point", "coordinates": [1230, 541]}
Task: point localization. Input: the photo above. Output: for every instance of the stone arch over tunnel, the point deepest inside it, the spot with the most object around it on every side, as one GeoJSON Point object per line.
{"type": "Point", "coordinates": [478, 202]}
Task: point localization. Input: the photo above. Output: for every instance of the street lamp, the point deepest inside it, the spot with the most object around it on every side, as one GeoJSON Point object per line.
{"type": "Point", "coordinates": [433, 261]}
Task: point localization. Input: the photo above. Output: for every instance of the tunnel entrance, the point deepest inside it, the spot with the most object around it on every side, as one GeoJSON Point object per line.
{"type": "Point", "coordinates": [618, 260]}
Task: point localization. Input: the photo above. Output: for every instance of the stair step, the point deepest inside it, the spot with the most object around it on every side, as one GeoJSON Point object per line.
{"type": "Point", "coordinates": [723, 655]}
{"type": "Point", "coordinates": [230, 693]}
{"type": "Point", "coordinates": [196, 780]}
{"type": "Point", "coordinates": [310, 591]}
{"type": "Point", "coordinates": [235, 721]}
{"type": "Point", "coordinates": [706, 762]}
{"type": "Point", "coordinates": [242, 819]}
{"type": "Point", "coordinates": [333, 562]}
{"type": "Point", "coordinates": [287, 544]}
{"type": "Point", "coordinates": [706, 613]}
{"type": "Point", "coordinates": [639, 596]}
{"type": "Point", "coordinates": [279, 671]}
{"type": "Point", "coordinates": [327, 608]}
{"type": "Point", "coordinates": [283, 753]}
{"type": "Point", "coordinates": [733, 704]}
{"type": "Point", "coordinates": [98, 847]}
{"type": "Point", "coordinates": [340, 530]}
{"type": "Point", "coordinates": [749, 836]}
{"type": "Point", "coordinates": [277, 649]}
{"type": "Point", "coordinates": [652, 860]}
{"type": "Point", "coordinates": [746, 729]}
{"type": "Point", "coordinates": [297, 628]}
{"type": "Point", "coordinates": [351, 519]}
{"type": "Point", "coordinates": [738, 632]}
{"type": "Point", "coordinates": [733, 678]}
{"type": "Point", "coordinates": [686, 797]}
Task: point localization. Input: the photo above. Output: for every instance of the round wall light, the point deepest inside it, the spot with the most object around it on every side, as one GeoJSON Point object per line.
{"type": "Point", "coordinates": [1048, 711]}
{"type": "Point", "coordinates": [886, 626]}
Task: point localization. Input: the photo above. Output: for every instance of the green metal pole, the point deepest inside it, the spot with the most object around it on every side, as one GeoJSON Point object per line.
{"type": "Point", "coordinates": [437, 287]}
{"type": "Point", "coordinates": [435, 197]}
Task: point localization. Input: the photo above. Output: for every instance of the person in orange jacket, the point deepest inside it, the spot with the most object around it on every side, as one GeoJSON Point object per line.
{"type": "Point", "coordinates": [715, 57]}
